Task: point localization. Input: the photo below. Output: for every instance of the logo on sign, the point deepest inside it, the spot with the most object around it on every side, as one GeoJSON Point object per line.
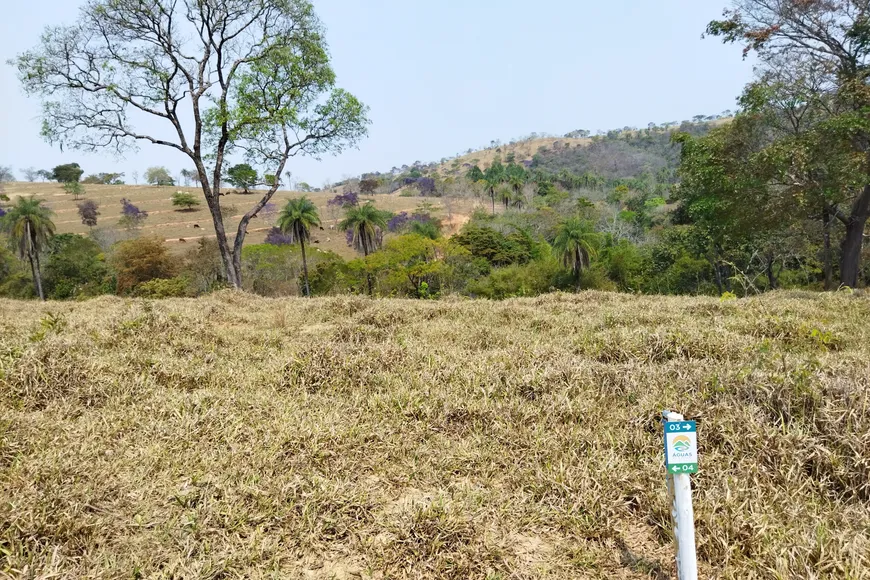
{"type": "Point", "coordinates": [682, 444]}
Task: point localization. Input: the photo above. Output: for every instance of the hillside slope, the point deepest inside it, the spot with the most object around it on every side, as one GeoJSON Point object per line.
{"type": "Point", "coordinates": [616, 154]}
{"type": "Point", "coordinates": [182, 229]}
{"type": "Point", "coordinates": [234, 436]}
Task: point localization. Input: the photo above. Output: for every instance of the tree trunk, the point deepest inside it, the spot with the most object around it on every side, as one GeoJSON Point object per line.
{"type": "Point", "coordinates": [223, 244]}
{"type": "Point", "coordinates": [827, 263]}
{"type": "Point", "coordinates": [365, 246]}
{"type": "Point", "coordinates": [34, 263]}
{"type": "Point", "coordinates": [853, 242]}
{"type": "Point", "coordinates": [492, 197]}
{"type": "Point", "coordinates": [718, 275]}
{"type": "Point", "coordinates": [771, 277]}
{"type": "Point", "coordinates": [304, 267]}
{"type": "Point", "coordinates": [578, 268]}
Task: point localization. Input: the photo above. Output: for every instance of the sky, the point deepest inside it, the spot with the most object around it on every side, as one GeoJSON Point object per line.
{"type": "Point", "coordinates": [444, 76]}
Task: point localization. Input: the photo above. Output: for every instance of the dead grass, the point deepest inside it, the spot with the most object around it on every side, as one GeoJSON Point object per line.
{"type": "Point", "coordinates": [239, 437]}
{"type": "Point", "coordinates": [181, 229]}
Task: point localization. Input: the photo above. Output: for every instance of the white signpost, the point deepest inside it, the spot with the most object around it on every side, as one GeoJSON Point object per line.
{"type": "Point", "coordinates": [681, 459]}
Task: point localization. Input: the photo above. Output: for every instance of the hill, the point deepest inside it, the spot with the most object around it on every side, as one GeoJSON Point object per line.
{"type": "Point", "coordinates": [523, 150]}
{"type": "Point", "coordinates": [236, 436]}
{"type": "Point", "coordinates": [617, 154]}
{"type": "Point", "coordinates": [621, 155]}
{"type": "Point", "coordinates": [183, 228]}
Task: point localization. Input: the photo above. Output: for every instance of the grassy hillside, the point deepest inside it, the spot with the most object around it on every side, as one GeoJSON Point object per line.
{"type": "Point", "coordinates": [183, 228]}
{"type": "Point", "coordinates": [523, 151]}
{"type": "Point", "coordinates": [623, 154]}
{"type": "Point", "coordinates": [232, 436]}
{"type": "Point", "coordinates": [620, 153]}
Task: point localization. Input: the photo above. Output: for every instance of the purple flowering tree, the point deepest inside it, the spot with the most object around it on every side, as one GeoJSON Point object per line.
{"type": "Point", "coordinates": [426, 185]}
{"type": "Point", "coordinates": [344, 200]}
{"type": "Point", "coordinates": [398, 222]}
{"type": "Point", "coordinates": [131, 216]}
{"type": "Point", "coordinates": [276, 237]}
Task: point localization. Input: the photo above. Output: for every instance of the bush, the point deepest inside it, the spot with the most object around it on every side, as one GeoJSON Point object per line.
{"type": "Point", "coordinates": [184, 200]}
{"type": "Point", "coordinates": [75, 267]}
{"type": "Point", "coordinates": [15, 277]}
{"type": "Point", "coordinates": [325, 276]}
{"type": "Point", "coordinates": [529, 279]}
{"type": "Point", "coordinates": [142, 259]}
{"type": "Point", "coordinates": [275, 237]}
{"type": "Point", "coordinates": [687, 275]}
{"type": "Point", "coordinates": [595, 278]}
{"type": "Point", "coordinates": [271, 270]}
{"type": "Point", "coordinates": [406, 263]}
{"type": "Point", "coordinates": [204, 267]}
{"type": "Point", "coordinates": [495, 247]}
{"type": "Point", "coordinates": [624, 264]}
{"type": "Point", "coordinates": [177, 287]}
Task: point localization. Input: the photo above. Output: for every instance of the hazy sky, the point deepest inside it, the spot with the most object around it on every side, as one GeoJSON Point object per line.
{"type": "Point", "coordinates": [442, 76]}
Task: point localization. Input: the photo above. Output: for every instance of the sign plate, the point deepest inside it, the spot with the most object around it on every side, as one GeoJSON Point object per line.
{"type": "Point", "coordinates": [681, 447]}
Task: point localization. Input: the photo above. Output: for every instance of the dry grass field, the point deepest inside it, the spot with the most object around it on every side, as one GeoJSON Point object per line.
{"type": "Point", "coordinates": [240, 437]}
{"type": "Point", "coordinates": [180, 229]}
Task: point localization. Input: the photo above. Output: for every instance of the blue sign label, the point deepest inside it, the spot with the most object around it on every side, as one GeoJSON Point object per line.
{"type": "Point", "coordinates": [681, 446]}
{"type": "Point", "coordinates": [680, 426]}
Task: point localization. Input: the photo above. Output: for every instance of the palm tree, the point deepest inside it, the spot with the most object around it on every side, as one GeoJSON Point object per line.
{"type": "Point", "coordinates": [365, 223]}
{"type": "Point", "coordinates": [489, 184]}
{"type": "Point", "coordinates": [29, 226]}
{"type": "Point", "coordinates": [577, 244]}
{"type": "Point", "coordinates": [492, 178]}
{"type": "Point", "coordinates": [517, 181]}
{"type": "Point", "coordinates": [505, 193]}
{"type": "Point", "coordinates": [296, 220]}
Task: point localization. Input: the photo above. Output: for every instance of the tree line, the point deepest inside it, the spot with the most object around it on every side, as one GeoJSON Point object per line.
{"type": "Point", "coordinates": [777, 197]}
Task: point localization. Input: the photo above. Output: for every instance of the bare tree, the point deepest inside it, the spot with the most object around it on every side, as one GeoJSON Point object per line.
{"type": "Point", "coordinates": [253, 77]}
{"type": "Point", "coordinates": [30, 174]}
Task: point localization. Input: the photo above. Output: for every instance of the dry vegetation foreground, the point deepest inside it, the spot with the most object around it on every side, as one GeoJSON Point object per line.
{"type": "Point", "coordinates": [239, 437]}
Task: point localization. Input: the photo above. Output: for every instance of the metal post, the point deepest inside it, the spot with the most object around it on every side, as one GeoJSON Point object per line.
{"type": "Point", "coordinates": [680, 490]}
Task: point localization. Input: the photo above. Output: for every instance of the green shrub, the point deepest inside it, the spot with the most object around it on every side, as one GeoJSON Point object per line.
{"type": "Point", "coordinates": [75, 267]}
{"type": "Point", "coordinates": [517, 280]}
{"type": "Point", "coordinates": [495, 247]}
{"type": "Point", "coordinates": [271, 270]}
{"type": "Point", "coordinates": [595, 278]}
{"type": "Point", "coordinates": [624, 264]}
{"type": "Point", "coordinates": [177, 287]}
{"type": "Point", "coordinates": [324, 273]}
